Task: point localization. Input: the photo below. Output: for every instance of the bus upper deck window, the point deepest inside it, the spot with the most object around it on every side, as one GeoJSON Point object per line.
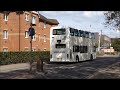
{"type": "Point", "coordinates": [71, 31]}
{"type": "Point", "coordinates": [90, 35]}
{"type": "Point", "coordinates": [59, 31]}
{"type": "Point", "coordinates": [93, 36]}
{"type": "Point", "coordinates": [84, 34]}
{"type": "Point", "coordinates": [87, 34]}
{"type": "Point", "coordinates": [81, 33]}
{"type": "Point", "coordinates": [76, 32]}
{"type": "Point", "coordinates": [54, 32]}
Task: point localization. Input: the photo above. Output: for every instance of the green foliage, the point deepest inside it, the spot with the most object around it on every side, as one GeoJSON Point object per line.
{"type": "Point", "coordinates": [116, 44]}
{"type": "Point", "coordinates": [108, 53]}
{"type": "Point", "coordinates": [96, 44]}
{"type": "Point", "coordinates": [22, 57]}
{"type": "Point", "coordinates": [112, 19]}
{"type": "Point", "coordinates": [101, 53]}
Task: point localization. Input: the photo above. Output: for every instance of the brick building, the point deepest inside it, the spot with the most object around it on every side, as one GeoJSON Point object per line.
{"type": "Point", "coordinates": [14, 30]}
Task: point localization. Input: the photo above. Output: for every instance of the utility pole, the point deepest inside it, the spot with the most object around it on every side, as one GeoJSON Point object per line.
{"type": "Point", "coordinates": [19, 31]}
{"type": "Point", "coordinates": [99, 45]}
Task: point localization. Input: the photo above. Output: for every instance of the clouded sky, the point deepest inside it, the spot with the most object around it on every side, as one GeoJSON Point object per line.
{"type": "Point", "coordinates": [87, 20]}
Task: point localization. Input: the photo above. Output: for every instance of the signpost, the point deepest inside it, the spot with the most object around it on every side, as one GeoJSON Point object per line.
{"type": "Point", "coordinates": [31, 34]}
{"type": "Point", "coordinates": [39, 61]}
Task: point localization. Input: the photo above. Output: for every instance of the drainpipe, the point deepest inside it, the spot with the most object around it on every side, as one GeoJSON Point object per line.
{"type": "Point", "coordinates": [0, 34]}
{"type": "Point", "coordinates": [19, 31]}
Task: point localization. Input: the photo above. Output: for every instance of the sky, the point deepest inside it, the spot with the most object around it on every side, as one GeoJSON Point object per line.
{"type": "Point", "coordinates": [92, 21]}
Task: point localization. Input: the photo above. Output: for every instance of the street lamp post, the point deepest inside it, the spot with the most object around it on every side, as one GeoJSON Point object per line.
{"type": "Point", "coordinates": [99, 41]}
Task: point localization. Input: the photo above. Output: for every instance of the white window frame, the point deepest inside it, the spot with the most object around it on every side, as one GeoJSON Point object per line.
{"type": "Point", "coordinates": [5, 49]}
{"type": "Point", "coordinates": [5, 17]}
{"type": "Point", "coordinates": [44, 24]}
{"type": "Point", "coordinates": [33, 20]}
{"type": "Point", "coordinates": [44, 37]}
{"type": "Point", "coordinates": [26, 34]}
{"type": "Point", "coordinates": [26, 49]}
{"type": "Point", "coordinates": [45, 49]}
{"type": "Point", "coordinates": [34, 49]}
{"type": "Point", "coordinates": [26, 16]}
{"type": "Point", "coordinates": [5, 34]}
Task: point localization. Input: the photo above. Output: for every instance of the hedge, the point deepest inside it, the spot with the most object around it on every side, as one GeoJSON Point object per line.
{"type": "Point", "coordinates": [99, 53]}
{"type": "Point", "coordinates": [22, 57]}
{"type": "Point", "coordinates": [112, 53]}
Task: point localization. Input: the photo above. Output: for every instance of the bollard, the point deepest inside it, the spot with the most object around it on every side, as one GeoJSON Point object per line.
{"type": "Point", "coordinates": [39, 65]}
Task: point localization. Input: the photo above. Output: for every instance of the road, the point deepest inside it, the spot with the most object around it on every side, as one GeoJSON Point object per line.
{"type": "Point", "coordinates": [101, 68]}
{"type": "Point", "coordinates": [82, 70]}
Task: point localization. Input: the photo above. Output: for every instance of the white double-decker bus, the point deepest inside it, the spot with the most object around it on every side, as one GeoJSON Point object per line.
{"type": "Point", "coordinates": [71, 45]}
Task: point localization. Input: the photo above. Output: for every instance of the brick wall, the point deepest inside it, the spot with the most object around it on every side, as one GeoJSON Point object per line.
{"type": "Point", "coordinates": [13, 25]}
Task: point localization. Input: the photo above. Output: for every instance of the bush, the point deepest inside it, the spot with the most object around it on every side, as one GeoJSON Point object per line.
{"type": "Point", "coordinates": [22, 57]}
{"type": "Point", "coordinates": [99, 53]}
{"type": "Point", "coordinates": [112, 53]}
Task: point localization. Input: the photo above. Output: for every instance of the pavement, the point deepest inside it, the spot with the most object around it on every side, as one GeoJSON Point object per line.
{"type": "Point", "coordinates": [12, 67]}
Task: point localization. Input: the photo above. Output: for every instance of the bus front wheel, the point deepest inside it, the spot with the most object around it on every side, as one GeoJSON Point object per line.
{"type": "Point", "coordinates": [91, 57]}
{"type": "Point", "coordinates": [77, 58]}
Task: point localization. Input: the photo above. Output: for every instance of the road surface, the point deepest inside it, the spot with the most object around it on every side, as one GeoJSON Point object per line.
{"type": "Point", "coordinates": [101, 68]}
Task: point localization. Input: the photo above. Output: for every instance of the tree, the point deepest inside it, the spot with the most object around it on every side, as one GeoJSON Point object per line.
{"type": "Point", "coordinates": [112, 18]}
{"type": "Point", "coordinates": [116, 44]}
{"type": "Point", "coordinates": [96, 44]}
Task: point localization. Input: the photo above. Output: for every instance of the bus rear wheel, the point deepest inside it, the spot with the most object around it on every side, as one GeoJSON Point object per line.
{"type": "Point", "coordinates": [91, 57]}
{"type": "Point", "coordinates": [77, 58]}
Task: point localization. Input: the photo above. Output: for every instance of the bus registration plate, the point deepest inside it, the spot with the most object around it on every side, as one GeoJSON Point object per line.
{"type": "Point", "coordinates": [59, 59]}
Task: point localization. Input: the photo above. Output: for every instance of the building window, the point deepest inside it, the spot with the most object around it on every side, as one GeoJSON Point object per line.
{"type": "Point", "coordinates": [45, 49]}
{"type": "Point", "coordinates": [5, 49]}
{"type": "Point", "coordinates": [34, 38]}
{"type": "Point", "coordinates": [26, 49]}
{"type": "Point", "coordinates": [5, 17]}
{"type": "Point", "coordinates": [44, 24]}
{"type": "Point", "coordinates": [5, 34]}
{"type": "Point", "coordinates": [33, 49]}
{"type": "Point", "coordinates": [26, 34]}
{"type": "Point", "coordinates": [33, 20]}
{"type": "Point", "coordinates": [44, 38]}
{"type": "Point", "coordinates": [27, 17]}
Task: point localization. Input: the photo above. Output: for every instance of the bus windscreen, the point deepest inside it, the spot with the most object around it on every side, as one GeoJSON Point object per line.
{"type": "Point", "coordinates": [59, 31]}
